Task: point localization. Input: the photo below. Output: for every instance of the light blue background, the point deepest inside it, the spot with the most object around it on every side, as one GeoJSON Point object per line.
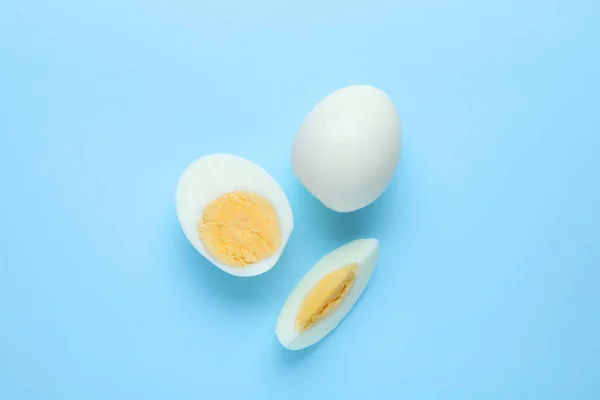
{"type": "Point", "coordinates": [488, 284]}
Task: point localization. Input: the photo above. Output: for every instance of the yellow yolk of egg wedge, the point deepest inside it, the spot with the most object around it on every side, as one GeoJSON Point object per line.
{"type": "Point", "coordinates": [234, 213]}
{"type": "Point", "coordinates": [326, 294]}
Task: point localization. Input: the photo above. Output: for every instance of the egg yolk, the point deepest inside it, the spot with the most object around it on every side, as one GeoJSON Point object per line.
{"type": "Point", "coordinates": [240, 228]}
{"type": "Point", "coordinates": [325, 296]}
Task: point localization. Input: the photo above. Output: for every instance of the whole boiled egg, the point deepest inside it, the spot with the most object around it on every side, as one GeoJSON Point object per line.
{"type": "Point", "coordinates": [324, 296]}
{"type": "Point", "coordinates": [348, 147]}
{"type": "Point", "coordinates": [234, 213]}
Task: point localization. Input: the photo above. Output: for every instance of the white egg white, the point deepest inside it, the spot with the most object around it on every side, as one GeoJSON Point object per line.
{"type": "Point", "coordinates": [364, 253]}
{"type": "Point", "coordinates": [348, 147]}
{"type": "Point", "coordinates": [212, 176]}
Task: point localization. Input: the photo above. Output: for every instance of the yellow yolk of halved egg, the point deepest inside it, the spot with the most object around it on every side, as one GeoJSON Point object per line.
{"type": "Point", "coordinates": [240, 229]}
{"type": "Point", "coordinates": [325, 296]}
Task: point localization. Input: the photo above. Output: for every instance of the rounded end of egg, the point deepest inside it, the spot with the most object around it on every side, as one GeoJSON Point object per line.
{"type": "Point", "coordinates": [348, 147]}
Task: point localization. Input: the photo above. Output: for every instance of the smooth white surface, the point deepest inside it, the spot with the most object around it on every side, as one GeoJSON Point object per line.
{"type": "Point", "coordinates": [211, 176]}
{"type": "Point", "coordinates": [348, 147]}
{"type": "Point", "coordinates": [363, 252]}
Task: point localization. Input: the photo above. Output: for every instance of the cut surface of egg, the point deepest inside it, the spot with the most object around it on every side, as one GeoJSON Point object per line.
{"type": "Point", "coordinates": [234, 213]}
{"type": "Point", "coordinates": [348, 147]}
{"type": "Point", "coordinates": [324, 296]}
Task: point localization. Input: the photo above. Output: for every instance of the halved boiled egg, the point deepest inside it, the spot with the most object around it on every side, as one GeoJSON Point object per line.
{"type": "Point", "coordinates": [234, 213]}
{"type": "Point", "coordinates": [326, 294]}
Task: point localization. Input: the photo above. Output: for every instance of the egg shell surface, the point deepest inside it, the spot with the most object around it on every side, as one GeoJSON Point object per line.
{"type": "Point", "coordinates": [348, 147]}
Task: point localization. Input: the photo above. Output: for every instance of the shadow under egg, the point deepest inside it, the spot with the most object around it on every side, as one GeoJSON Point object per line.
{"type": "Point", "coordinates": [286, 358]}
{"type": "Point", "coordinates": [338, 227]}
